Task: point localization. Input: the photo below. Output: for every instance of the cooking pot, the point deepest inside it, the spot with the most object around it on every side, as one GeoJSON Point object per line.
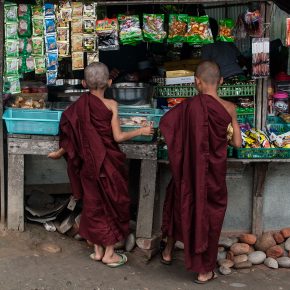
{"type": "Point", "coordinates": [131, 93]}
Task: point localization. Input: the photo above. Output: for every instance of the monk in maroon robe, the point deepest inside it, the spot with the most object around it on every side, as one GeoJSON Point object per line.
{"type": "Point", "coordinates": [90, 130]}
{"type": "Point", "coordinates": [196, 135]}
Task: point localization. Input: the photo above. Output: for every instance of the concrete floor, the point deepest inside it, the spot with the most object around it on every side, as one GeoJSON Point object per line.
{"type": "Point", "coordinates": [24, 266]}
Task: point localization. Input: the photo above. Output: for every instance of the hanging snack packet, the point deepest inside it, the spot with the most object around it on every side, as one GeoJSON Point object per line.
{"type": "Point", "coordinates": [198, 30]}
{"type": "Point", "coordinates": [49, 25]}
{"type": "Point", "coordinates": [50, 41]}
{"type": "Point", "coordinates": [77, 60]}
{"type": "Point", "coordinates": [39, 63]}
{"type": "Point", "coordinates": [63, 48]}
{"type": "Point", "coordinates": [11, 30]}
{"type": "Point", "coordinates": [10, 12]}
{"type": "Point", "coordinates": [63, 34]}
{"type": "Point", "coordinates": [49, 9]}
{"type": "Point", "coordinates": [37, 11]}
{"type": "Point", "coordinates": [92, 57]}
{"type": "Point", "coordinates": [153, 27]}
{"type": "Point", "coordinates": [77, 25]}
{"type": "Point", "coordinates": [51, 61]}
{"type": "Point", "coordinates": [11, 66]}
{"type": "Point", "coordinates": [26, 64]}
{"type": "Point", "coordinates": [11, 85]}
{"type": "Point", "coordinates": [25, 45]}
{"type": "Point", "coordinates": [130, 32]}
{"type": "Point", "coordinates": [77, 9]}
{"type": "Point", "coordinates": [177, 28]}
{"type": "Point", "coordinates": [24, 27]}
{"type": "Point", "coordinates": [77, 42]}
{"type": "Point", "coordinates": [107, 31]}
{"type": "Point", "coordinates": [12, 47]}
{"type": "Point", "coordinates": [89, 43]}
{"type": "Point", "coordinates": [37, 26]}
{"type": "Point", "coordinates": [37, 45]}
{"type": "Point", "coordinates": [51, 77]}
{"type": "Point", "coordinates": [89, 25]}
{"type": "Point", "coordinates": [66, 14]}
{"type": "Point", "coordinates": [24, 10]}
{"type": "Point", "coordinates": [89, 10]}
{"type": "Point", "coordinates": [226, 30]}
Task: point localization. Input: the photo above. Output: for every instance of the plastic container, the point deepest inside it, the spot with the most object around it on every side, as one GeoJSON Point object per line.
{"type": "Point", "coordinates": [262, 153]}
{"type": "Point", "coordinates": [280, 102]}
{"type": "Point", "coordinates": [34, 122]}
{"type": "Point", "coordinates": [138, 138]}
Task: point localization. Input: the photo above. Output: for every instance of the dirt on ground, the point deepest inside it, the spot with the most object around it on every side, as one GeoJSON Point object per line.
{"type": "Point", "coordinates": [25, 265]}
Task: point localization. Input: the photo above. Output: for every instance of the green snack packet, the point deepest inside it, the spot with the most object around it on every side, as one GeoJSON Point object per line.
{"type": "Point", "coordinates": [12, 47]}
{"type": "Point", "coordinates": [24, 27]}
{"type": "Point", "coordinates": [37, 45]}
{"type": "Point", "coordinates": [26, 64]}
{"type": "Point", "coordinates": [177, 28]}
{"type": "Point", "coordinates": [130, 31]}
{"type": "Point", "coordinates": [39, 64]}
{"type": "Point", "coordinates": [11, 85]}
{"type": "Point", "coordinates": [25, 46]}
{"type": "Point", "coordinates": [11, 66]}
{"type": "Point", "coordinates": [10, 12]}
{"type": "Point", "coordinates": [153, 27]}
{"type": "Point", "coordinates": [38, 26]}
{"type": "Point", "coordinates": [226, 30]}
{"type": "Point", "coordinates": [37, 11]}
{"type": "Point", "coordinates": [11, 30]}
{"type": "Point", "coordinates": [24, 10]}
{"type": "Point", "coordinates": [198, 31]}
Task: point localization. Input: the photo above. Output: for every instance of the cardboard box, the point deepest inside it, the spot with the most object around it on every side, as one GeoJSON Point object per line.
{"type": "Point", "coordinates": [180, 80]}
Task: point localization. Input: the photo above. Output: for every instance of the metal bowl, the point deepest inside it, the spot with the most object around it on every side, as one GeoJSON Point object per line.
{"type": "Point", "coordinates": [131, 93]}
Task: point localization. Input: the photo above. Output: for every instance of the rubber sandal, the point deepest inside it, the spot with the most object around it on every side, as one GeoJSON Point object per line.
{"type": "Point", "coordinates": [93, 257]}
{"type": "Point", "coordinates": [214, 276]}
{"type": "Point", "coordinates": [122, 262]}
{"type": "Point", "coordinates": [161, 249]}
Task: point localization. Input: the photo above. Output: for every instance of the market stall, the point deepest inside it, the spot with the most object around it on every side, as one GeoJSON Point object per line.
{"type": "Point", "coordinates": [56, 41]}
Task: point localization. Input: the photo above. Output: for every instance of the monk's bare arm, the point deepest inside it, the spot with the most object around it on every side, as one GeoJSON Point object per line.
{"type": "Point", "coordinates": [237, 137]}
{"type": "Point", "coordinates": [56, 154]}
{"type": "Point", "coordinates": [120, 136]}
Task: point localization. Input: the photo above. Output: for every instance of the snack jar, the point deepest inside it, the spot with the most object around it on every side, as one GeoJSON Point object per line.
{"type": "Point", "coordinates": [280, 102]}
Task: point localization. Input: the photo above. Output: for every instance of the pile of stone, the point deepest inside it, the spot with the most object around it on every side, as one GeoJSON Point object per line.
{"type": "Point", "coordinates": [271, 249]}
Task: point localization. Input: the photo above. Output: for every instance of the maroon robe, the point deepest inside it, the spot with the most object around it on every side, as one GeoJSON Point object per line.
{"type": "Point", "coordinates": [196, 135]}
{"type": "Point", "coordinates": [97, 172]}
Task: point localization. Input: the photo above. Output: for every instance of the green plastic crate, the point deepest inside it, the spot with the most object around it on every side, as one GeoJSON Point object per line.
{"type": "Point", "coordinates": [262, 153]}
{"type": "Point", "coordinates": [162, 154]}
{"type": "Point", "coordinates": [230, 151]}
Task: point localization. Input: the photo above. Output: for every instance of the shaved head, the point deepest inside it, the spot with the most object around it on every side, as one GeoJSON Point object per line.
{"type": "Point", "coordinates": [208, 72]}
{"type": "Point", "coordinates": [96, 75]}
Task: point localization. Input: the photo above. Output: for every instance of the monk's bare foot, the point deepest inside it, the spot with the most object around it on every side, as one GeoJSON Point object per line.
{"type": "Point", "coordinates": [110, 259]}
{"type": "Point", "coordinates": [99, 252]}
{"type": "Point", "coordinates": [204, 277]}
{"type": "Point", "coordinates": [167, 254]}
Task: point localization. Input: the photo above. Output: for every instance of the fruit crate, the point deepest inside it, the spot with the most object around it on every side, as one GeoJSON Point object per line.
{"type": "Point", "coordinates": [262, 153]}
{"type": "Point", "coordinates": [34, 122]}
{"type": "Point", "coordinates": [184, 91]}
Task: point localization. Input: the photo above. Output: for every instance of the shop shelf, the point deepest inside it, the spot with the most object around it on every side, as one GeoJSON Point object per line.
{"type": "Point", "coordinates": [36, 122]}
{"type": "Point", "coordinates": [184, 91]}
{"type": "Point", "coordinates": [152, 115]}
{"type": "Point", "coordinates": [262, 153]}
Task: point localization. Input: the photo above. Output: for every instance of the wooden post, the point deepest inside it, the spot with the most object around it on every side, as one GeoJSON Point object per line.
{"type": "Point", "coordinates": [260, 172]}
{"type": "Point", "coordinates": [15, 204]}
{"type": "Point", "coordinates": [146, 198]}
{"type": "Point", "coordinates": [2, 168]}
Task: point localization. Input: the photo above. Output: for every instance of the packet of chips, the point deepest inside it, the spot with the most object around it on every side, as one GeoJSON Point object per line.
{"type": "Point", "coordinates": [49, 9]}
{"type": "Point", "coordinates": [77, 42]}
{"type": "Point", "coordinates": [11, 85]}
{"type": "Point", "coordinates": [153, 27]}
{"type": "Point", "coordinates": [37, 11]}
{"type": "Point", "coordinates": [10, 12]}
{"type": "Point", "coordinates": [12, 47]}
{"type": "Point", "coordinates": [226, 30]}
{"type": "Point", "coordinates": [24, 10]}
{"type": "Point", "coordinates": [51, 61]}
{"type": "Point", "coordinates": [177, 28]}
{"type": "Point", "coordinates": [77, 25]}
{"type": "Point", "coordinates": [77, 60]}
{"type": "Point", "coordinates": [63, 48]}
{"type": "Point", "coordinates": [77, 9]}
{"type": "Point", "coordinates": [11, 66]}
{"type": "Point", "coordinates": [39, 63]}
{"type": "Point", "coordinates": [89, 10]}
{"type": "Point", "coordinates": [107, 32]}
{"type": "Point", "coordinates": [89, 43]}
{"type": "Point", "coordinates": [92, 57]}
{"type": "Point", "coordinates": [11, 30]}
{"type": "Point", "coordinates": [51, 43]}
{"type": "Point", "coordinates": [49, 24]}
{"type": "Point", "coordinates": [26, 64]}
{"type": "Point", "coordinates": [89, 25]}
{"type": "Point", "coordinates": [37, 26]}
{"type": "Point", "coordinates": [130, 31]}
{"type": "Point", "coordinates": [198, 30]}
{"type": "Point", "coordinates": [51, 77]}
{"type": "Point", "coordinates": [37, 45]}
{"type": "Point", "coordinates": [25, 45]}
{"type": "Point", "coordinates": [24, 27]}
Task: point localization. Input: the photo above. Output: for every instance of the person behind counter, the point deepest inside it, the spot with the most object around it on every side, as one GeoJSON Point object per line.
{"type": "Point", "coordinates": [90, 130]}
{"type": "Point", "coordinates": [196, 135]}
{"type": "Point", "coordinates": [225, 54]}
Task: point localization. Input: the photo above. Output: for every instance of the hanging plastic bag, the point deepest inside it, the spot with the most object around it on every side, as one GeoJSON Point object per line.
{"type": "Point", "coordinates": [153, 27]}
{"type": "Point", "coordinates": [107, 32]}
{"type": "Point", "coordinates": [226, 30]}
{"type": "Point", "coordinates": [198, 31]}
{"type": "Point", "coordinates": [130, 31]}
{"type": "Point", "coordinates": [177, 28]}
